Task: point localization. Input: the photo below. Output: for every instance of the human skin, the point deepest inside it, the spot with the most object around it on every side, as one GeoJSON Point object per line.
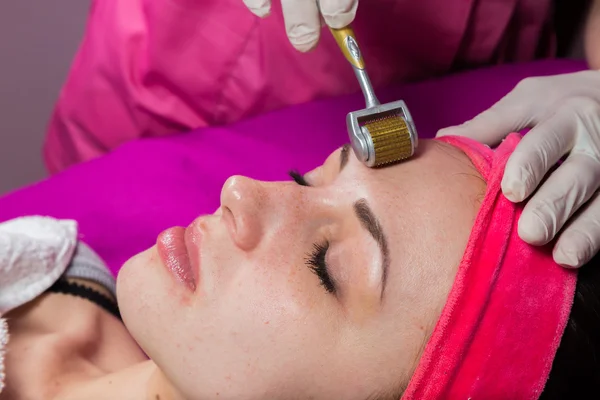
{"type": "Point", "coordinates": [260, 324]}
{"type": "Point", "coordinates": [59, 342]}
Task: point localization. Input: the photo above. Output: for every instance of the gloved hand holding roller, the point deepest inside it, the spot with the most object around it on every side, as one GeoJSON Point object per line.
{"type": "Point", "coordinates": [303, 19]}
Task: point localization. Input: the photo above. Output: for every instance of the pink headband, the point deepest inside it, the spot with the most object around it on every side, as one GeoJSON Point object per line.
{"type": "Point", "coordinates": [507, 309]}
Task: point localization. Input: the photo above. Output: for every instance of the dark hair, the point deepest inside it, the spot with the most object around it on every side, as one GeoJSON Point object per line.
{"type": "Point", "coordinates": [568, 17]}
{"type": "Point", "coordinates": [575, 371]}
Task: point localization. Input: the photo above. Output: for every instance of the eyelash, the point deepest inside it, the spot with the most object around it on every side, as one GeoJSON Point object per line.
{"type": "Point", "coordinates": [316, 263]}
{"type": "Point", "coordinates": [316, 259]}
{"type": "Point", "coordinates": [298, 178]}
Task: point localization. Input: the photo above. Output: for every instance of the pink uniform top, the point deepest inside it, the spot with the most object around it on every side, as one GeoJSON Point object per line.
{"type": "Point", "coordinates": [156, 67]}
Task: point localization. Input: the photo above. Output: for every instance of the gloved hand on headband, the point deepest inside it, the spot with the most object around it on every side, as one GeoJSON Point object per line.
{"type": "Point", "coordinates": [564, 114]}
{"type": "Point", "coordinates": [303, 20]}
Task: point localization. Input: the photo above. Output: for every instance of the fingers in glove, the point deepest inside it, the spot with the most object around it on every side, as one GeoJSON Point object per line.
{"type": "Point", "coordinates": [579, 241]}
{"type": "Point", "coordinates": [260, 8]}
{"type": "Point", "coordinates": [537, 152]}
{"type": "Point", "coordinates": [302, 23]}
{"type": "Point", "coordinates": [575, 127]}
{"type": "Point", "coordinates": [338, 13]}
{"type": "Point", "coordinates": [564, 192]}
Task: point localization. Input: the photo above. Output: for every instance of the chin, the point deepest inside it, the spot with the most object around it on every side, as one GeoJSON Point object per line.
{"type": "Point", "coordinates": [137, 295]}
{"type": "Point", "coordinates": [131, 275]}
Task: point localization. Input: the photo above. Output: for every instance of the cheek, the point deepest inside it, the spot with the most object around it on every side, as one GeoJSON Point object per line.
{"type": "Point", "coordinates": [270, 297]}
{"type": "Point", "coordinates": [265, 329]}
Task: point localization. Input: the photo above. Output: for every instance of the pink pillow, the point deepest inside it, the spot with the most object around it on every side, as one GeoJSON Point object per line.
{"type": "Point", "coordinates": [124, 199]}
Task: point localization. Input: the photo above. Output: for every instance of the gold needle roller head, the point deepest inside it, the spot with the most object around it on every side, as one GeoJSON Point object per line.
{"type": "Point", "coordinates": [380, 134]}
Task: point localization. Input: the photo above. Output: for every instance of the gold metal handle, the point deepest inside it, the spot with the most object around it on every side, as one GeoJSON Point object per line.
{"type": "Point", "coordinates": [346, 39]}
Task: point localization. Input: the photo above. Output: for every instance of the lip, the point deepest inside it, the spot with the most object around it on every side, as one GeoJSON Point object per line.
{"type": "Point", "coordinates": [179, 249]}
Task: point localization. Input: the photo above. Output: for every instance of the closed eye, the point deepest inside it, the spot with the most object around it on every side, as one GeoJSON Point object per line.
{"type": "Point", "coordinates": [298, 178]}
{"type": "Point", "coordinates": [316, 259]}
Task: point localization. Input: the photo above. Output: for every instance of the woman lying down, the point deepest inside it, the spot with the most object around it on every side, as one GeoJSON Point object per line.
{"type": "Point", "coordinates": [350, 283]}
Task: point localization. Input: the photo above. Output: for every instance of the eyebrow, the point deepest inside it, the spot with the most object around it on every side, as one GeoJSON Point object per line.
{"type": "Point", "coordinates": [344, 156]}
{"type": "Point", "coordinates": [371, 223]}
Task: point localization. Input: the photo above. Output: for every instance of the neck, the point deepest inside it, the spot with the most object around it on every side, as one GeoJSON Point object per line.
{"type": "Point", "coordinates": [140, 381]}
{"type": "Point", "coordinates": [64, 347]}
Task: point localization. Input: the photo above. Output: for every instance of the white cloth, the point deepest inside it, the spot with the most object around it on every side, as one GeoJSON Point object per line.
{"type": "Point", "coordinates": [34, 253]}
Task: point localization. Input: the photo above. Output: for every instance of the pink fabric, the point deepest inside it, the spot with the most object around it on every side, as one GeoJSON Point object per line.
{"type": "Point", "coordinates": [156, 67]}
{"type": "Point", "coordinates": [507, 310]}
{"type": "Point", "coordinates": [175, 178]}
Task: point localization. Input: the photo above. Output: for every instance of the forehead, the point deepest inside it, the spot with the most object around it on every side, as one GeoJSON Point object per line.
{"type": "Point", "coordinates": [437, 172]}
{"type": "Point", "coordinates": [437, 169]}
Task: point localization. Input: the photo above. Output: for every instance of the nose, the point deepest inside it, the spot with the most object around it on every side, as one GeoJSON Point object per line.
{"type": "Point", "coordinates": [243, 201]}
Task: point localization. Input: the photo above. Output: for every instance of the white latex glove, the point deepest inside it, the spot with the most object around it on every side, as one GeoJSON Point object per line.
{"type": "Point", "coordinates": [564, 114]}
{"type": "Point", "coordinates": [303, 20]}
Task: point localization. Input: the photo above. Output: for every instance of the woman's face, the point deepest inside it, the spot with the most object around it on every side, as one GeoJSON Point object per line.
{"type": "Point", "coordinates": [327, 291]}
